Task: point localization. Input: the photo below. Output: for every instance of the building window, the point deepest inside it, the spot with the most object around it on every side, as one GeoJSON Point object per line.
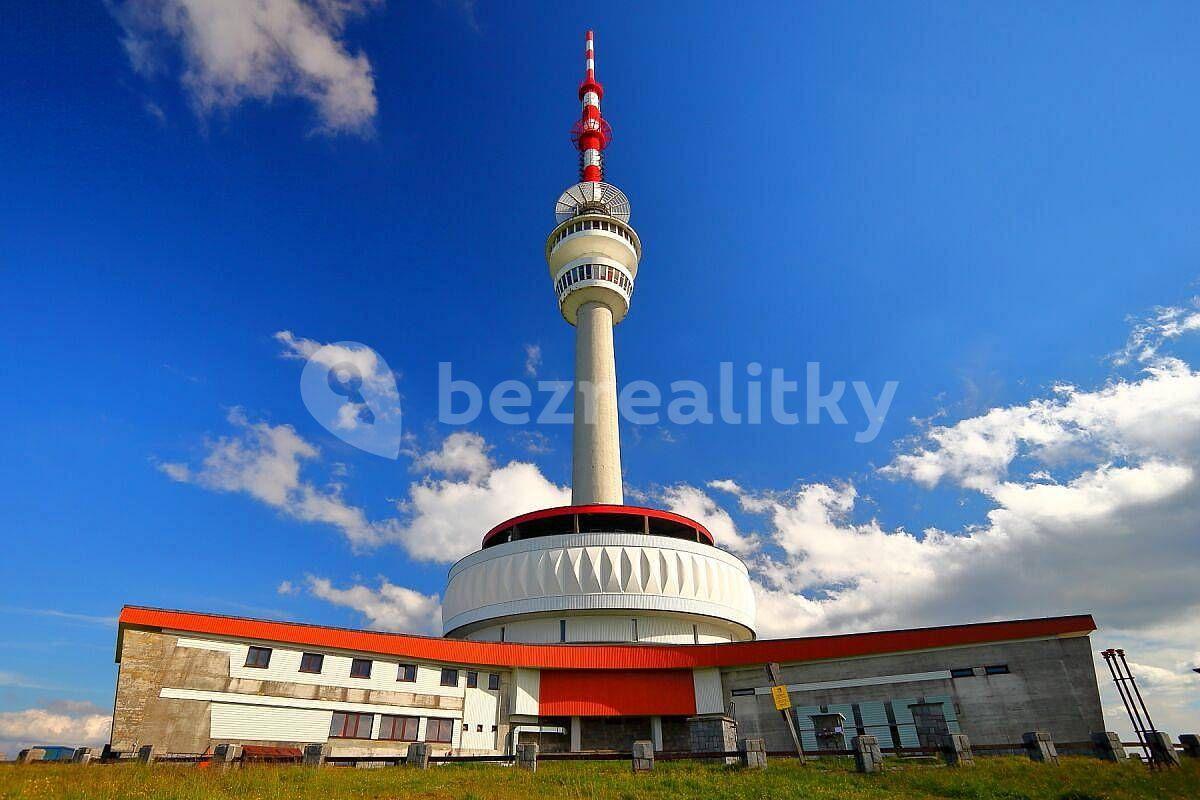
{"type": "Point", "coordinates": [562, 630]}
{"type": "Point", "coordinates": [449, 677]}
{"type": "Point", "coordinates": [406, 673]}
{"type": "Point", "coordinates": [360, 668]}
{"type": "Point", "coordinates": [398, 729]}
{"type": "Point", "coordinates": [439, 730]}
{"type": "Point", "coordinates": [742, 693]}
{"type": "Point", "coordinates": [348, 725]}
{"type": "Point", "coordinates": [312, 662]}
{"type": "Point", "coordinates": [962, 672]}
{"type": "Point", "coordinates": [695, 634]}
{"type": "Point", "coordinates": [479, 729]}
{"type": "Point", "coordinates": [472, 680]}
{"type": "Point", "coordinates": [258, 657]}
{"type": "Point", "coordinates": [634, 632]}
{"type": "Point", "coordinates": [466, 727]}
{"type": "Point", "coordinates": [502, 633]}
{"type": "Point", "coordinates": [996, 669]}
{"type": "Point", "coordinates": [493, 681]}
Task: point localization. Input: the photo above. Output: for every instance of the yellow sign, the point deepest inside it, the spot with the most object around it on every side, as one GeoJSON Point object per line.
{"type": "Point", "coordinates": [780, 695]}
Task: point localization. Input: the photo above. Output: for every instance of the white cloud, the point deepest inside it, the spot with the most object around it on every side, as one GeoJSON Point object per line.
{"type": "Point", "coordinates": [1157, 415]}
{"type": "Point", "coordinates": [462, 454]}
{"type": "Point", "coordinates": [375, 374]}
{"type": "Point", "coordinates": [287, 588]}
{"type": "Point", "coordinates": [533, 359]}
{"type": "Point", "coordinates": [1151, 333]}
{"type": "Point", "coordinates": [695, 504]}
{"type": "Point", "coordinates": [67, 723]}
{"type": "Point", "coordinates": [238, 50]}
{"type": "Point", "coordinates": [390, 607]}
{"type": "Point", "coordinates": [445, 519]}
{"type": "Point", "coordinates": [264, 461]}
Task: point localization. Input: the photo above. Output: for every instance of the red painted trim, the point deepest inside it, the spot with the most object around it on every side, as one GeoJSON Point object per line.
{"type": "Point", "coordinates": [602, 657]}
{"type": "Point", "coordinates": [566, 511]}
{"type": "Point", "coordinates": [605, 693]}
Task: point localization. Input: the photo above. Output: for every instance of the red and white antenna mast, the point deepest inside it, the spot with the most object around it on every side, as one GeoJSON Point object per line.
{"type": "Point", "coordinates": [591, 134]}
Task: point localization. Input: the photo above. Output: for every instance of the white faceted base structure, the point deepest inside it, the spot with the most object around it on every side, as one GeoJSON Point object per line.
{"type": "Point", "coordinates": [599, 586]}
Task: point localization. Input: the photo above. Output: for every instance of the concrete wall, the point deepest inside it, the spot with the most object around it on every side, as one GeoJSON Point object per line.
{"type": "Point", "coordinates": [184, 695]}
{"type": "Point", "coordinates": [1051, 686]}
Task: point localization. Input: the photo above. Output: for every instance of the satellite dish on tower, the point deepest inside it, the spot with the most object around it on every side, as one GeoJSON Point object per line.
{"type": "Point", "coordinates": [592, 197]}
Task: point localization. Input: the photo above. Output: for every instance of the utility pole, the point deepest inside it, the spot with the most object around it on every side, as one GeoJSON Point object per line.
{"type": "Point", "coordinates": [783, 704]}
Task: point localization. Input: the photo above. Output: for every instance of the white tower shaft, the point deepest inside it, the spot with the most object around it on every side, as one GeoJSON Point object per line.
{"type": "Point", "coordinates": [596, 472]}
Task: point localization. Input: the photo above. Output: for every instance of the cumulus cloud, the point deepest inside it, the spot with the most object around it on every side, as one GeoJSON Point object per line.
{"type": "Point", "coordinates": [1155, 416]}
{"type": "Point", "coordinates": [445, 518]}
{"type": "Point", "coordinates": [237, 50]}
{"type": "Point", "coordinates": [462, 454]}
{"type": "Point", "coordinates": [388, 607]}
{"type": "Point", "coordinates": [694, 503]}
{"type": "Point", "coordinates": [375, 374]}
{"type": "Point", "coordinates": [462, 494]}
{"type": "Point", "coordinates": [264, 461]}
{"type": "Point", "coordinates": [66, 723]}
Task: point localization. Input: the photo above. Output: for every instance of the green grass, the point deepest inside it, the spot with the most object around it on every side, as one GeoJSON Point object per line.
{"type": "Point", "coordinates": [993, 778]}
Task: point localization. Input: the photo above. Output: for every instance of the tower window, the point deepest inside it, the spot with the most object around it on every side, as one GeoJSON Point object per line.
{"type": "Point", "coordinates": [258, 657]}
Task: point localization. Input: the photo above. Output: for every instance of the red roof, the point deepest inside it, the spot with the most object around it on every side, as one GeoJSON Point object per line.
{"type": "Point", "coordinates": [599, 656]}
{"type": "Point", "coordinates": [605, 693]}
{"type": "Point", "coordinates": [567, 511]}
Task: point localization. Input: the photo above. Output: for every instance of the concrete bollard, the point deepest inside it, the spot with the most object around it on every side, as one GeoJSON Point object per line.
{"type": "Point", "coordinates": [1191, 744]}
{"type": "Point", "coordinates": [867, 755]}
{"type": "Point", "coordinates": [957, 749]}
{"type": "Point", "coordinates": [224, 755]}
{"type": "Point", "coordinates": [145, 754]}
{"type": "Point", "coordinates": [315, 754]}
{"type": "Point", "coordinates": [1107, 746]}
{"type": "Point", "coordinates": [643, 756]}
{"type": "Point", "coordinates": [527, 756]}
{"type": "Point", "coordinates": [1040, 747]}
{"type": "Point", "coordinates": [1162, 748]}
{"type": "Point", "coordinates": [31, 755]}
{"type": "Point", "coordinates": [418, 755]}
{"type": "Point", "coordinates": [754, 753]}
{"type": "Point", "coordinates": [82, 755]}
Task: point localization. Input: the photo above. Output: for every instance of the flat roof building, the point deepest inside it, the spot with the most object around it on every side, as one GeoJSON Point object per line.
{"type": "Point", "coordinates": [593, 625]}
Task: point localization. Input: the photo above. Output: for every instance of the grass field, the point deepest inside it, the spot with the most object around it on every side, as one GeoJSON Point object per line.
{"type": "Point", "coordinates": [991, 779]}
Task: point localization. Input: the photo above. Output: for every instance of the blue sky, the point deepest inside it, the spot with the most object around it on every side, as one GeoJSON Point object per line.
{"type": "Point", "coordinates": [979, 202]}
